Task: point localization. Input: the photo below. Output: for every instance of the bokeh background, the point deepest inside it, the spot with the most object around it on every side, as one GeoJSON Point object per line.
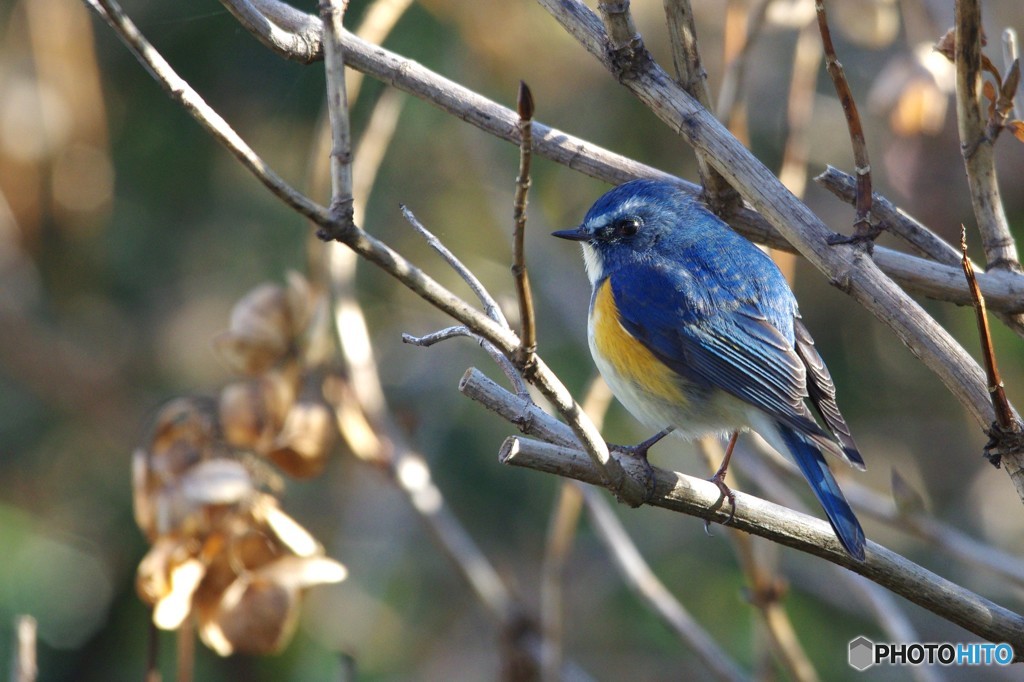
{"type": "Point", "coordinates": [126, 234]}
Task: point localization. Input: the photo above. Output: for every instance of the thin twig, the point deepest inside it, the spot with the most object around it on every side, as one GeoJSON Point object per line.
{"type": "Point", "coordinates": [929, 244]}
{"type": "Point", "coordinates": [1007, 430]}
{"type": "Point", "coordinates": [695, 497]}
{"type": "Point", "coordinates": [1004, 413]}
{"type": "Point", "coordinates": [152, 652]}
{"type": "Point", "coordinates": [562, 527]}
{"type": "Point", "coordinates": [977, 148]}
{"type": "Point", "coordinates": [630, 490]}
{"type": "Point", "coordinates": [491, 306]}
{"type": "Point", "coordinates": [181, 92]}
{"type": "Point", "coordinates": [690, 73]}
{"type": "Point", "coordinates": [883, 604]}
{"type": "Point", "coordinates": [561, 532]}
{"type": "Point", "coordinates": [506, 366]}
{"type": "Point", "coordinates": [186, 653]}
{"type": "Point", "coordinates": [864, 229]}
{"type": "Point", "coordinates": [618, 22]}
{"type": "Point", "coordinates": [729, 104]}
{"type": "Point", "coordinates": [917, 236]}
{"type": "Point", "coordinates": [1011, 54]}
{"type": "Point", "coordinates": [528, 337]}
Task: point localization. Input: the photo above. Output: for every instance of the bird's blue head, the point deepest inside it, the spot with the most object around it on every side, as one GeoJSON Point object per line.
{"type": "Point", "coordinates": [638, 221]}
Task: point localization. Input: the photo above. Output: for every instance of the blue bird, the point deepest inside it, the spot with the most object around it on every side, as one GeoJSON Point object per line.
{"type": "Point", "coordinates": [696, 330]}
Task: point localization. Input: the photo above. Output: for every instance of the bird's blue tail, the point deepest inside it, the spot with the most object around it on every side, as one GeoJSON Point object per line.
{"type": "Point", "coordinates": [812, 465]}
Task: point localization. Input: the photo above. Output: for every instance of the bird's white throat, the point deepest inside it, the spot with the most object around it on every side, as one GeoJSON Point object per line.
{"type": "Point", "coordinates": [593, 262]}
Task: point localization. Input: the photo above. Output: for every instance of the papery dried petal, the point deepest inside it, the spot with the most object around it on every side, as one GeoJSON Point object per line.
{"type": "Point", "coordinates": [255, 616]}
{"type": "Point", "coordinates": [288, 531]}
{"type": "Point", "coordinates": [307, 436]}
{"type": "Point", "coordinates": [153, 577]}
{"type": "Point", "coordinates": [304, 572]}
{"type": "Point", "coordinates": [174, 607]}
{"type": "Point", "coordinates": [253, 411]}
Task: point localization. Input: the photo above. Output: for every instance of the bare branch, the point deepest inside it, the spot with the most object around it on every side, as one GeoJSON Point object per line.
{"type": "Point", "coordinates": [694, 496]}
{"type": "Point", "coordinates": [765, 589]}
{"type": "Point", "coordinates": [181, 92]}
{"type": "Point", "coordinates": [1011, 54]}
{"type": "Point", "coordinates": [729, 104]}
{"type": "Point", "coordinates": [288, 32]}
{"type": "Point", "coordinates": [1006, 432]}
{"type": "Point", "coordinates": [490, 305]}
{"type": "Point", "coordinates": [864, 227]}
{"type": "Point", "coordinates": [976, 145]}
{"type": "Point", "coordinates": [331, 14]}
{"type": "Point", "coordinates": [561, 532]}
{"type": "Point", "coordinates": [799, 109]}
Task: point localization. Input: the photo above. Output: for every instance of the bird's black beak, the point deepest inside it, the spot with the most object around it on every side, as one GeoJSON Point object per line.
{"type": "Point", "coordinates": [576, 234]}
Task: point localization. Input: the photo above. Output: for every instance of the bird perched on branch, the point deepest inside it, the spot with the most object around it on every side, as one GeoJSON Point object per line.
{"type": "Point", "coordinates": [695, 330]}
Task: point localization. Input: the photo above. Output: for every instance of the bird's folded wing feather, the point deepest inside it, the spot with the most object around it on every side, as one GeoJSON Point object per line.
{"type": "Point", "coordinates": [718, 335]}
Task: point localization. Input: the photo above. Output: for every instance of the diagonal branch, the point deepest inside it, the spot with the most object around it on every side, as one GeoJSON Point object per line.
{"type": "Point", "coordinates": [694, 496]}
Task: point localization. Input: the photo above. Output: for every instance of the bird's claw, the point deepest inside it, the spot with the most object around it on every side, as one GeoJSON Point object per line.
{"type": "Point", "coordinates": [725, 493]}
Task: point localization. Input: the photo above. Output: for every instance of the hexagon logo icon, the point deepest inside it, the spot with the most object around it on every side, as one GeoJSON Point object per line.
{"type": "Point", "coordinates": [862, 653]}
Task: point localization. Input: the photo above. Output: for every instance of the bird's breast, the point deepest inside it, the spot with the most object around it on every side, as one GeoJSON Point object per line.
{"type": "Point", "coordinates": [631, 370]}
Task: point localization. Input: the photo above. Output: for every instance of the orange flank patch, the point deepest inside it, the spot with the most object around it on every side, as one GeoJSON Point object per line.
{"type": "Point", "coordinates": [630, 359]}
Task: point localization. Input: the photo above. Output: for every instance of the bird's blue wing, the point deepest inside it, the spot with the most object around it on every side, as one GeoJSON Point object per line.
{"type": "Point", "coordinates": [722, 327]}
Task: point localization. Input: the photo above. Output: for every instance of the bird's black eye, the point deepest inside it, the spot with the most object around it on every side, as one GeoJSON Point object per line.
{"type": "Point", "coordinates": [627, 226]}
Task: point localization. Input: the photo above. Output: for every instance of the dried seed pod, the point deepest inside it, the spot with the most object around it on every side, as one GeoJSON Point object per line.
{"type": "Point", "coordinates": [184, 433]}
{"type": "Point", "coordinates": [309, 432]}
{"type": "Point", "coordinates": [261, 332]}
{"type": "Point", "coordinates": [253, 411]}
{"type": "Point", "coordinates": [257, 613]}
